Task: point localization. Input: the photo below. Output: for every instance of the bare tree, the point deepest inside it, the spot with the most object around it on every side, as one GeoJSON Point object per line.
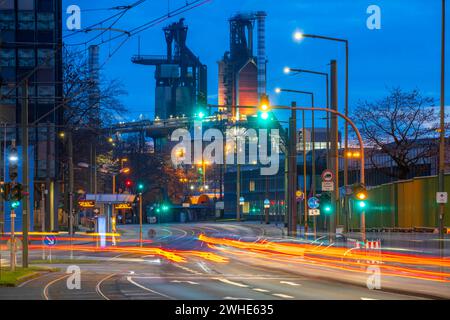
{"type": "Point", "coordinates": [403, 127]}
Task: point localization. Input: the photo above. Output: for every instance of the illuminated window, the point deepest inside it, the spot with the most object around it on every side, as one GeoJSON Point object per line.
{"type": "Point", "coordinates": [252, 186]}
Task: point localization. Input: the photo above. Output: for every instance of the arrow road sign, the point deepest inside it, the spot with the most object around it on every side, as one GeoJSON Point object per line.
{"type": "Point", "coordinates": [49, 241]}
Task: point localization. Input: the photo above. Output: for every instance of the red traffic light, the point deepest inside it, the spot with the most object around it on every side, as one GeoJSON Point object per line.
{"type": "Point", "coordinates": [128, 183]}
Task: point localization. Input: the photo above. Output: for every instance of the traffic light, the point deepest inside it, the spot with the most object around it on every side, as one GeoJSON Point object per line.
{"type": "Point", "coordinates": [16, 193]}
{"type": "Point", "coordinates": [13, 162]}
{"type": "Point", "coordinates": [15, 204]}
{"type": "Point", "coordinates": [264, 107]}
{"type": "Point", "coordinates": [165, 207]}
{"type": "Point", "coordinates": [128, 183]}
{"type": "Point", "coordinates": [325, 202]}
{"type": "Point", "coordinates": [360, 192]}
{"type": "Point", "coordinates": [140, 187]}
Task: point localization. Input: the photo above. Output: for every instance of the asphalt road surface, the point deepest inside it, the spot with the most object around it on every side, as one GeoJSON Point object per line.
{"type": "Point", "coordinates": [242, 275]}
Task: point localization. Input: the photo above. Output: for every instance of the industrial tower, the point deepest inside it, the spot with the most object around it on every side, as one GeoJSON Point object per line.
{"type": "Point", "coordinates": [242, 76]}
{"type": "Point", "coordinates": [181, 79]}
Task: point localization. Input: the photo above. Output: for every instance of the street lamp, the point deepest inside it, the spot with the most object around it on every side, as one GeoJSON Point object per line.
{"type": "Point", "coordinates": [300, 35]}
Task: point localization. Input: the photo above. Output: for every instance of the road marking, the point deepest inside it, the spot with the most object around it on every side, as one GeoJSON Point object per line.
{"type": "Point", "coordinates": [289, 283]}
{"type": "Point", "coordinates": [284, 296]}
{"type": "Point", "coordinates": [233, 298]}
{"type": "Point", "coordinates": [260, 290]}
{"type": "Point", "coordinates": [204, 267]}
{"type": "Point", "coordinates": [237, 284]}
{"type": "Point", "coordinates": [97, 287]}
{"type": "Point", "coordinates": [45, 291]}
{"type": "Point", "coordinates": [188, 269]}
{"type": "Point", "coordinates": [147, 289]}
{"type": "Point", "coordinates": [184, 281]}
{"type": "Point", "coordinates": [364, 298]}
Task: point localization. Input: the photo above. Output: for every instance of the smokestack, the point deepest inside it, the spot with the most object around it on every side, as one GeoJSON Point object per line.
{"type": "Point", "coordinates": [261, 19]}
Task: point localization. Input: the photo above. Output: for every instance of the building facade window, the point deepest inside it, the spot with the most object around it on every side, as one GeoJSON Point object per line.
{"type": "Point", "coordinates": [46, 57]}
{"type": "Point", "coordinates": [251, 186]}
{"type": "Point", "coordinates": [7, 58]}
{"type": "Point", "coordinates": [45, 21]}
{"type": "Point", "coordinates": [7, 5]}
{"type": "Point", "coordinates": [7, 21]}
{"type": "Point", "coordinates": [26, 57]}
{"type": "Point", "coordinates": [26, 20]}
{"type": "Point", "coordinates": [46, 94]}
{"type": "Point", "coordinates": [26, 4]}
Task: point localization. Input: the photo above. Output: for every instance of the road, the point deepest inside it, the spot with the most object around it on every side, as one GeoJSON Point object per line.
{"type": "Point", "coordinates": [208, 271]}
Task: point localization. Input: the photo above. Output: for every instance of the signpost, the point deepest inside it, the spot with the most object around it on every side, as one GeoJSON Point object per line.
{"type": "Point", "coordinates": [313, 203]}
{"type": "Point", "coordinates": [314, 212]}
{"type": "Point", "coordinates": [327, 180]}
{"type": "Point", "coordinates": [49, 241]}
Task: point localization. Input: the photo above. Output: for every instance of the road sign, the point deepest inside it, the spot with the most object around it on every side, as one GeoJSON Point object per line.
{"type": "Point", "coordinates": [241, 200]}
{"type": "Point", "coordinates": [299, 195]}
{"type": "Point", "coordinates": [327, 175]}
{"type": "Point", "coordinates": [313, 203]}
{"type": "Point", "coordinates": [327, 186]}
{"type": "Point", "coordinates": [267, 203]}
{"type": "Point", "coordinates": [314, 212]}
{"type": "Point", "coordinates": [441, 197]}
{"type": "Point", "coordinates": [49, 240]}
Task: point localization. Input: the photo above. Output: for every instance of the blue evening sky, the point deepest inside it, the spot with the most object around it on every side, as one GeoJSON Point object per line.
{"type": "Point", "coordinates": [405, 52]}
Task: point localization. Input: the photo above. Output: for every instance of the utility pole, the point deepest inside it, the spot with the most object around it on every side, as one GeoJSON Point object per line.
{"type": "Point", "coordinates": [71, 179]}
{"type": "Point", "coordinates": [305, 201]}
{"type": "Point", "coordinates": [292, 184]}
{"type": "Point", "coordinates": [25, 183]}
{"type": "Point", "coordinates": [442, 135]}
{"type": "Point", "coordinates": [238, 192]}
{"type": "Point", "coordinates": [334, 146]}
{"type": "Point", "coordinates": [13, 160]}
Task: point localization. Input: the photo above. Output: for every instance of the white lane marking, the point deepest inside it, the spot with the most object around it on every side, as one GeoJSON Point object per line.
{"type": "Point", "coordinates": [289, 283]}
{"type": "Point", "coordinates": [98, 286]}
{"type": "Point", "coordinates": [188, 269]}
{"type": "Point", "coordinates": [129, 279]}
{"type": "Point", "coordinates": [364, 298]}
{"type": "Point", "coordinates": [260, 290]}
{"type": "Point", "coordinates": [233, 298]}
{"type": "Point", "coordinates": [45, 291]}
{"type": "Point", "coordinates": [237, 284]}
{"type": "Point", "coordinates": [204, 267]}
{"type": "Point", "coordinates": [34, 279]}
{"type": "Point", "coordinates": [184, 281]}
{"type": "Point", "coordinates": [284, 296]}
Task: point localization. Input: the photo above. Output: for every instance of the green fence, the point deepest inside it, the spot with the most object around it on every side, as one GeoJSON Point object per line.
{"type": "Point", "coordinates": [403, 204]}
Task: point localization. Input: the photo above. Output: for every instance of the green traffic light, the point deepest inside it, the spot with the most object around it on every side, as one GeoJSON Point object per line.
{"type": "Point", "coordinates": [201, 115]}
{"type": "Point", "coordinates": [140, 186]}
{"type": "Point", "coordinates": [264, 115]}
{"type": "Point", "coordinates": [362, 204]}
{"type": "Point", "coordinates": [327, 208]}
{"type": "Point", "coordinates": [158, 210]}
{"type": "Point", "coordinates": [165, 207]}
{"type": "Point", "coordinates": [15, 204]}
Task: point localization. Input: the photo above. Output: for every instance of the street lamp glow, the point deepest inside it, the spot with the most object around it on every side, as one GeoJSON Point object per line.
{"type": "Point", "coordinates": [298, 35]}
{"type": "Point", "coordinates": [286, 70]}
{"type": "Point", "coordinates": [277, 90]}
{"type": "Point", "coordinates": [13, 158]}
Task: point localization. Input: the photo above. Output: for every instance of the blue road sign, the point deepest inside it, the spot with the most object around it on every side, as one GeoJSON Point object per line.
{"type": "Point", "coordinates": [49, 241]}
{"type": "Point", "coordinates": [313, 203]}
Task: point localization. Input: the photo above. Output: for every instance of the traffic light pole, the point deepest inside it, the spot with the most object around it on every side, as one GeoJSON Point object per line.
{"type": "Point", "coordinates": [71, 180]}
{"type": "Point", "coordinates": [140, 219]}
{"type": "Point", "coordinates": [26, 199]}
